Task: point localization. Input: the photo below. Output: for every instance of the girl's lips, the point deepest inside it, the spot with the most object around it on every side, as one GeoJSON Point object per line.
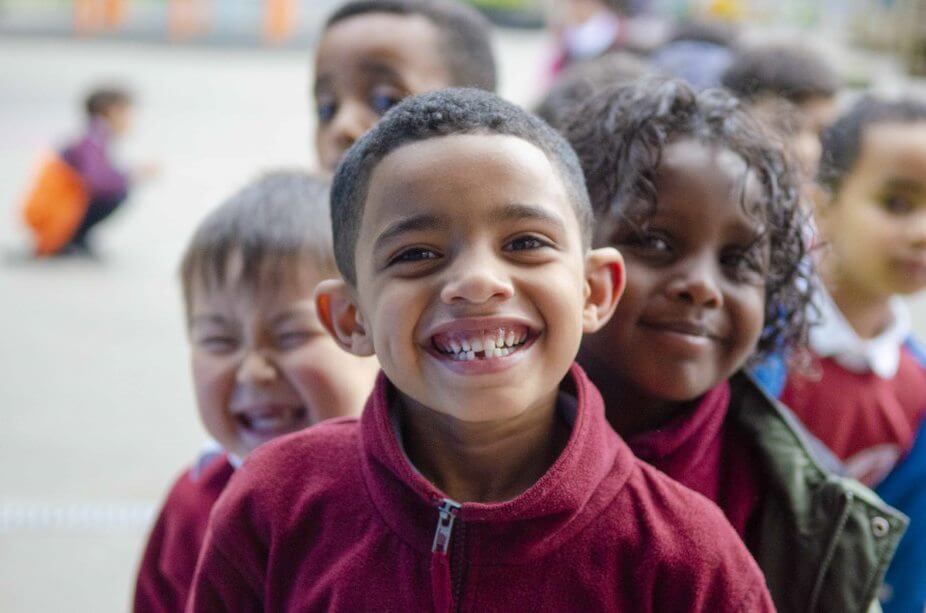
{"type": "Point", "coordinates": [271, 420]}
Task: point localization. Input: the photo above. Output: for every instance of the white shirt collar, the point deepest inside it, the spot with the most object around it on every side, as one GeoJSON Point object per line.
{"type": "Point", "coordinates": [208, 453]}
{"type": "Point", "coordinates": [834, 337]}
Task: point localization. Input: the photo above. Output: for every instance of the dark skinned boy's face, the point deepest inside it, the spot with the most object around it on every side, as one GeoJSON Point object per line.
{"type": "Point", "coordinates": [364, 66]}
{"type": "Point", "coordinates": [693, 308]}
{"type": "Point", "coordinates": [473, 285]}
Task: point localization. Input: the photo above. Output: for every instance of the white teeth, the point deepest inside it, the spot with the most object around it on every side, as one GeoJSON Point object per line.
{"type": "Point", "coordinates": [509, 340]}
{"type": "Point", "coordinates": [455, 345]}
{"type": "Point", "coordinates": [465, 344]}
{"type": "Point", "coordinates": [470, 355]}
{"type": "Point", "coordinates": [477, 344]}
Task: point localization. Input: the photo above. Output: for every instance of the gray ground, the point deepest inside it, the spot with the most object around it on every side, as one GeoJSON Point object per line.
{"type": "Point", "coordinates": [96, 410]}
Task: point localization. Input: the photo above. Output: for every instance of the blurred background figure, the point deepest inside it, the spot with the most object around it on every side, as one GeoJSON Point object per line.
{"type": "Point", "coordinates": [698, 51]}
{"type": "Point", "coordinates": [82, 186]}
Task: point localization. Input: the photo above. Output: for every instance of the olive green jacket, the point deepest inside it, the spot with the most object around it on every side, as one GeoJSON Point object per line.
{"type": "Point", "coordinates": [826, 539]}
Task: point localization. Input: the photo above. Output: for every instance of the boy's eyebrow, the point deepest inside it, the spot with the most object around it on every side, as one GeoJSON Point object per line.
{"type": "Point", "coordinates": [378, 69]}
{"type": "Point", "coordinates": [904, 184]}
{"type": "Point", "coordinates": [209, 318]}
{"type": "Point", "coordinates": [412, 223]}
{"type": "Point", "coordinates": [513, 212]}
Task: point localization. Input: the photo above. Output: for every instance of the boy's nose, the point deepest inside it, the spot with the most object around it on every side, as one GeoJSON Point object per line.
{"type": "Point", "coordinates": [697, 285]}
{"type": "Point", "coordinates": [476, 281]}
{"type": "Point", "coordinates": [349, 124]}
{"type": "Point", "coordinates": [256, 368]}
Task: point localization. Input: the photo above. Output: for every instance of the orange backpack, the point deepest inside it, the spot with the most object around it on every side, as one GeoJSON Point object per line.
{"type": "Point", "coordinates": [55, 206]}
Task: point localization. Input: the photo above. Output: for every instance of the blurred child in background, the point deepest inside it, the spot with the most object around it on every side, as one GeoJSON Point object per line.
{"type": "Point", "coordinates": [374, 53]}
{"type": "Point", "coordinates": [707, 214]}
{"type": "Point", "coordinates": [82, 186]}
{"type": "Point", "coordinates": [864, 392]}
{"type": "Point", "coordinates": [262, 363]}
{"type": "Point", "coordinates": [766, 75]}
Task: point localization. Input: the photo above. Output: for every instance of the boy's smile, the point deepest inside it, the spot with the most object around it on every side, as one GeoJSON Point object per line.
{"type": "Point", "coordinates": [694, 304]}
{"type": "Point", "coordinates": [471, 275]}
{"type": "Point", "coordinates": [365, 65]}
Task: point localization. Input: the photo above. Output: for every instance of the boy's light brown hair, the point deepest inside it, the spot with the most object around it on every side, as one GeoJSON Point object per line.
{"type": "Point", "coordinates": [263, 236]}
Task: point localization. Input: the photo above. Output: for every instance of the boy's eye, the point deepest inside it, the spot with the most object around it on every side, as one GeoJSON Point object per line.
{"type": "Point", "coordinates": [414, 254]}
{"type": "Point", "coordinates": [381, 102]}
{"type": "Point", "coordinates": [217, 344]}
{"type": "Point", "coordinates": [325, 110]}
{"type": "Point", "coordinates": [895, 205]}
{"type": "Point", "coordinates": [526, 243]}
{"type": "Point", "coordinates": [295, 338]}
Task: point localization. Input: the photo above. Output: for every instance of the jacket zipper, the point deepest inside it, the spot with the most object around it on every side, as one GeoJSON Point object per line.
{"type": "Point", "coordinates": [442, 586]}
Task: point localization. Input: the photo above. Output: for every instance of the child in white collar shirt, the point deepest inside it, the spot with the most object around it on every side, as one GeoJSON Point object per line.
{"type": "Point", "coordinates": [863, 392]}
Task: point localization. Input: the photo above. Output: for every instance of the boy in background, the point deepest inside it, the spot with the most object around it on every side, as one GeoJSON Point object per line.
{"type": "Point", "coordinates": [82, 186]}
{"type": "Point", "coordinates": [791, 80]}
{"type": "Point", "coordinates": [262, 363]}
{"type": "Point", "coordinates": [863, 392]}
{"type": "Point", "coordinates": [374, 53]}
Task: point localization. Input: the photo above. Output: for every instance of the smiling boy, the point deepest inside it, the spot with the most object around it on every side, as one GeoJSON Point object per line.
{"type": "Point", "coordinates": [482, 473]}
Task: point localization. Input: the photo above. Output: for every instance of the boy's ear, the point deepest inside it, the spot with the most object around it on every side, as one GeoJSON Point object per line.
{"type": "Point", "coordinates": [604, 284]}
{"type": "Point", "coordinates": [337, 310]}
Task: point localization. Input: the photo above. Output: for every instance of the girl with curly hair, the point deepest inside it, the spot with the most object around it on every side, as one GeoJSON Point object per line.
{"type": "Point", "coordinates": [705, 208]}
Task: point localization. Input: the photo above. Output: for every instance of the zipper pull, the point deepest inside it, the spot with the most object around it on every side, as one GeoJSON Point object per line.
{"type": "Point", "coordinates": [448, 510]}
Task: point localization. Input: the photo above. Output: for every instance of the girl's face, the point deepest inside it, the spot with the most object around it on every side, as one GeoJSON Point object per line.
{"type": "Point", "coordinates": [694, 305]}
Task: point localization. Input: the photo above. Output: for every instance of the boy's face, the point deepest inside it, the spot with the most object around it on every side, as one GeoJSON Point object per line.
{"type": "Point", "coordinates": [694, 304]}
{"type": "Point", "coordinates": [364, 66]}
{"type": "Point", "coordinates": [119, 118]}
{"type": "Point", "coordinates": [473, 287]}
{"type": "Point", "coordinates": [263, 365]}
{"type": "Point", "coordinates": [876, 224]}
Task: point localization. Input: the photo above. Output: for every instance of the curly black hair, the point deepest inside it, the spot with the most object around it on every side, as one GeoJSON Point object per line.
{"type": "Point", "coordinates": [465, 35]}
{"type": "Point", "coordinates": [794, 73]}
{"type": "Point", "coordinates": [842, 141]}
{"type": "Point", "coordinates": [579, 80]}
{"type": "Point", "coordinates": [442, 113]}
{"type": "Point", "coordinates": [620, 135]}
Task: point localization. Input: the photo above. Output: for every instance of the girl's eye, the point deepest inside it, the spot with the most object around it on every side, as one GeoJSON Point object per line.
{"type": "Point", "coordinates": [654, 242]}
{"type": "Point", "coordinates": [526, 243]}
{"type": "Point", "coordinates": [415, 254]}
{"type": "Point", "coordinates": [895, 205]}
{"type": "Point", "coordinates": [744, 265]}
{"type": "Point", "coordinates": [381, 102]}
{"type": "Point", "coordinates": [325, 110]}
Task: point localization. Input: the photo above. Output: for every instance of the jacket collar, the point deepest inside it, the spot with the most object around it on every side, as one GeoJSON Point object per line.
{"type": "Point", "coordinates": [823, 554]}
{"type": "Point", "coordinates": [571, 493]}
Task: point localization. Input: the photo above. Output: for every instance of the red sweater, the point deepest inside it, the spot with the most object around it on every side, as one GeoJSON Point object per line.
{"type": "Point", "coordinates": [701, 450]}
{"type": "Point", "coordinates": [335, 518]}
{"type": "Point", "coordinates": [167, 567]}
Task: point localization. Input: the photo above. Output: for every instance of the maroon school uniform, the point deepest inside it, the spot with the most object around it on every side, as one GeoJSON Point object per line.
{"type": "Point", "coordinates": [702, 450]}
{"type": "Point", "coordinates": [335, 518]}
{"type": "Point", "coordinates": [167, 567]}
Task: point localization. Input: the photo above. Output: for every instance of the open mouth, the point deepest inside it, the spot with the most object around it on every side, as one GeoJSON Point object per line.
{"type": "Point", "coordinates": [482, 344]}
{"type": "Point", "coordinates": [272, 421]}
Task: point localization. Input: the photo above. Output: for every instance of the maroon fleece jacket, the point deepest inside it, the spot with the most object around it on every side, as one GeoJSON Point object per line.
{"type": "Point", "coordinates": [166, 570]}
{"type": "Point", "coordinates": [335, 518]}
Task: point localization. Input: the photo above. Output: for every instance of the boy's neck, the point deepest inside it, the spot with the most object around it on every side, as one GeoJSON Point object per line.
{"type": "Point", "coordinates": [483, 462]}
{"type": "Point", "coordinates": [629, 411]}
{"type": "Point", "coordinates": [868, 313]}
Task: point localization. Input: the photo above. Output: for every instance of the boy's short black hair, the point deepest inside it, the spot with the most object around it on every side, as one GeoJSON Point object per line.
{"type": "Point", "coordinates": [464, 35]}
{"type": "Point", "coordinates": [794, 73]}
{"type": "Point", "coordinates": [578, 81]}
{"type": "Point", "coordinates": [842, 141]}
{"type": "Point", "coordinates": [620, 135]}
{"type": "Point", "coordinates": [102, 99]}
{"type": "Point", "coordinates": [442, 113]}
{"type": "Point", "coordinates": [264, 235]}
